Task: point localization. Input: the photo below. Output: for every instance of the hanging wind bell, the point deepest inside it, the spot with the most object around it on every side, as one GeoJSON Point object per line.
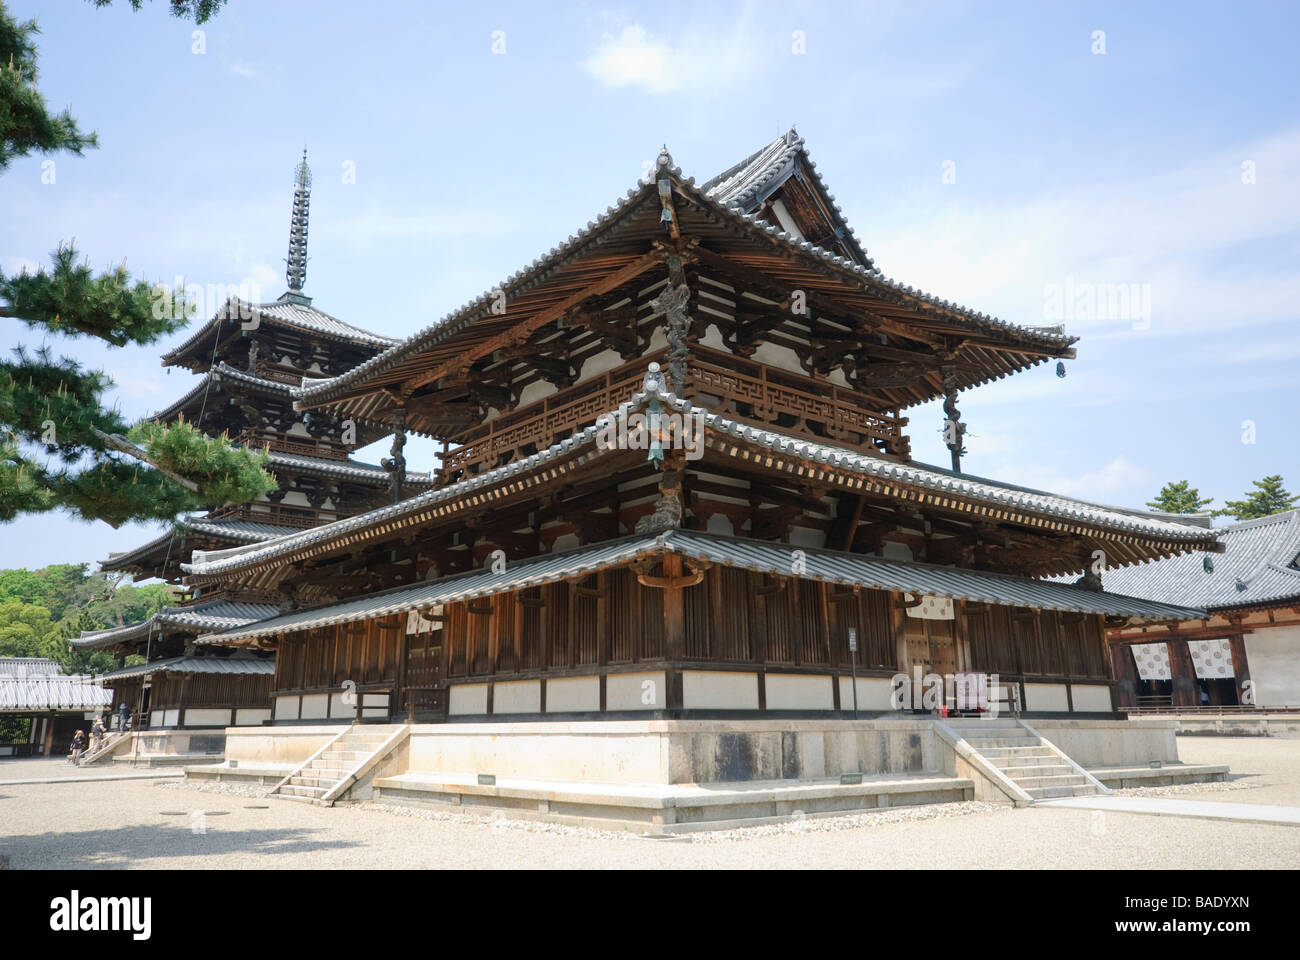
{"type": "Point", "coordinates": [1060, 369]}
{"type": "Point", "coordinates": [656, 445]}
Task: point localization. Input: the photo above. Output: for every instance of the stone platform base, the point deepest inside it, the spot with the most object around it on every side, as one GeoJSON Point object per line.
{"type": "Point", "coordinates": [251, 775]}
{"type": "Point", "coordinates": [674, 775]}
{"type": "Point", "coordinates": [645, 808]}
{"type": "Point", "coordinates": [1163, 776]}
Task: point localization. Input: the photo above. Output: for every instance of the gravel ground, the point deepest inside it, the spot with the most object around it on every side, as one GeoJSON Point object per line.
{"type": "Point", "coordinates": [143, 824]}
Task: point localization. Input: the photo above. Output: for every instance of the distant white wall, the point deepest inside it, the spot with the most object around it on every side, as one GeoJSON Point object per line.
{"type": "Point", "coordinates": [1273, 655]}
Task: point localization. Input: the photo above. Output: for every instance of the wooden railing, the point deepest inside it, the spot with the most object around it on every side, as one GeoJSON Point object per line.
{"type": "Point", "coordinates": [276, 514]}
{"type": "Point", "coordinates": [720, 382]}
{"type": "Point", "coordinates": [759, 393]}
{"type": "Point", "coordinates": [257, 440]}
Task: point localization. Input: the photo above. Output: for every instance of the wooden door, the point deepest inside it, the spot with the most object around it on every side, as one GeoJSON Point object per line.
{"type": "Point", "coordinates": [424, 690]}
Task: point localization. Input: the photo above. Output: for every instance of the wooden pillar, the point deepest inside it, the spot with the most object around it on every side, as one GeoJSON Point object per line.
{"type": "Point", "coordinates": [1186, 693]}
{"type": "Point", "coordinates": [674, 630]}
{"type": "Point", "coordinates": [1240, 665]}
{"type": "Point", "coordinates": [49, 735]}
{"type": "Point", "coordinates": [1124, 671]}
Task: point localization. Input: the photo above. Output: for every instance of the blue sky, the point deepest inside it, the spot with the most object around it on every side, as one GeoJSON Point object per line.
{"type": "Point", "coordinates": [1068, 166]}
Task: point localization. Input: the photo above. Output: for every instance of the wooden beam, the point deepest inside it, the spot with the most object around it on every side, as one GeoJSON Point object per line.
{"type": "Point", "coordinates": [524, 328]}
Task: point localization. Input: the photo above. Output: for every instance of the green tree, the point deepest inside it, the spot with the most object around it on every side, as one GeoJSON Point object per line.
{"type": "Point", "coordinates": [27, 630]}
{"type": "Point", "coordinates": [1268, 497]}
{"type": "Point", "coordinates": [60, 446]}
{"type": "Point", "coordinates": [1179, 498]}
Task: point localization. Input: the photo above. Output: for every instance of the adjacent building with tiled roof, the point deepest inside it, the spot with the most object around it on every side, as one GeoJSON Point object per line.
{"type": "Point", "coordinates": [1244, 651]}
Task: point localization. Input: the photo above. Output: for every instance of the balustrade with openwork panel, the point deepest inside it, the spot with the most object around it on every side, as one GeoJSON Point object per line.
{"type": "Point", "coordinates": [722, 383]}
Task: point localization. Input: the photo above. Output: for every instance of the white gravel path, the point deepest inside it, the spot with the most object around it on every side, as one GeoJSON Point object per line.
{"type": "Point", "coordinates": [144, 824]}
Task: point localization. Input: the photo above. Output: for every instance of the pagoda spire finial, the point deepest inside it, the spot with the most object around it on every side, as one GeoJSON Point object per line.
{"type": "Point", "coordinates": [296, 269]}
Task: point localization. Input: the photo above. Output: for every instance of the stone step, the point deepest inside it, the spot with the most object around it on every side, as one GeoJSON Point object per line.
{"type": "Point", "coordinates": [1049, 793]}
{"type": "Point", "coordinates": [324, 784]}
{"type": "Point", "coordinates": [350, 756]}
{"type": "Point", "coordinates": [1032, 759]}
{"type": "Point", "coordinates": [1038, 770]}
{"type": "Point", "coordinates": [1025, 751]}
{"type": "Point", "coordinates": [324, 773]}
{"type": "Point", "coordinates": [981, 743]}
{"type": "Point", "coordinates": [311, 793]}
{"type": "Point", "coordinates": [1050, 780]}
{"type": "Point", "coordinates": [290, 796]}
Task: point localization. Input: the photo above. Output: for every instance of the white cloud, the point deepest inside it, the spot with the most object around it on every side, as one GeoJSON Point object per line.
{"type": "Point", "coordinates": [247, 70]}
{"type": "Point", "coordinates": [700, 58]}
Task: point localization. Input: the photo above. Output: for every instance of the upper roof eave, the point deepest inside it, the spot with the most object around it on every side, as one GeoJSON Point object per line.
{"type": "Point", "coordinates": [314, 393]}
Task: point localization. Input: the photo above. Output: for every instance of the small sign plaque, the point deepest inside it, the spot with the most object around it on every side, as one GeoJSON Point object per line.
{"type": "Point", "coordinates": [487, 779]}
{"type": "Point", "coordinates": [853, 639]}
{"type": "Point", "coordinates": [850, 778]}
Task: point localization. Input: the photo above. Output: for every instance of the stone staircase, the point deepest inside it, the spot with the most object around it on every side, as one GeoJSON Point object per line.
{"type": "Point", "coordinates": [1026, 759]}
{"type": "Point", "coordinates": [325, 776]}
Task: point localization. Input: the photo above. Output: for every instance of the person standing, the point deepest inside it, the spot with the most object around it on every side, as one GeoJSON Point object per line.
{"type": "Point", "coordinates": [97, 735]}
{"type": "Point", "coordinates": [78, 746]}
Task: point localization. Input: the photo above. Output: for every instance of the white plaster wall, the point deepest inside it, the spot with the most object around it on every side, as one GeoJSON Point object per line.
{"type": "Point", "coordinates": [1090, 699]}
{"type": "Point", "coordinates": [286, 708]}
{"type": "Point", "coordinates": [785, 219]}
{"type": "Point", "coordinates": [775, 355]}
{"type": "Point", "coordinates": [790, 691]}
{"type": "Point", "coordinates": [599, 363]}
{"type": "Point", "coordinates": [713, 338]}
{"type": "Point", "coordinates": [719, 690]}
{"type": "Point", "coordinates": [316, 706]}
{"type": "Point", "coordinates": [721, 523]}
{"type": "Point", "coordinates": [524, 696]}
{"type": "Point", "coordinates": [340, 710]}
{"type": "Point", "coordinates": [573, 694]}
{"type": "Point", "coordinates": [873, 693]}
{"type": "Point", "coordinates": [1046, 697]}
{"type": "Point", "coordinates": [896, 551]}
{"type": "Point", "coordinates": [538, 390]}
{"type": "Point", "coordinates": [249, 717]}
{"type": "Point", "coordinates": [807, 537]}
{"type": "Point", "coordinates": [172, 718]}
{"type": "Point", "coordinates": [467, 698]}
{"type": "Point", "coordinates": [1273, 655]}
{"type": "Point", "coordinates": [624, 691]}
{"type": "Point", "coordinates": [156, 718]}
{"type": "Point", "coordinates": [207, 717]}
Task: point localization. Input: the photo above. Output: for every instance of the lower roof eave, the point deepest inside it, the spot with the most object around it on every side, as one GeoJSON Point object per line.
{"type": "Point", "coordinates": [776, 559]}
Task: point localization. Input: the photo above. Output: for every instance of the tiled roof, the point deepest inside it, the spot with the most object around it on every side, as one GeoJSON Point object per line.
{"type": "Point", "coordinates": [316, 392]}
{"type": "Point", "coordinates": [200, 618]}
{"type": "Point", "coordinates": [41, 692]}
{"type": "Point", "coordinates": [1260, 566]}
{"type": "Point", "coordinates": [351, 469]}
{"type": "Point", "coordinates": [29, 667]}
{"type": "Point", "coordinates": [1140, 523]}
{"type": "Point", "coordinates": [238, 531]}
{"type": "Point", "coordinates": [222, 371]}
{"type": "Point", "coordinates": [233, 528]}
{"type": "Point", "coordinates": [285, 313]}
{"type": "Point", "coordinates": [749, 183]}
{"type": "Point", "coordinates": [242, 666]}
{"type": "Point", "coordinates": [774, 558]}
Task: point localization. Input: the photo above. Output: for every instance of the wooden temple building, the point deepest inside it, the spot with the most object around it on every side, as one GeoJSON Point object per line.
{"type": "Point", "coordinates": [1244, 652]}
{"type": "Point", "coordinates": [248, 358]}
{"type": "Point", "coordinates": [677, 483]}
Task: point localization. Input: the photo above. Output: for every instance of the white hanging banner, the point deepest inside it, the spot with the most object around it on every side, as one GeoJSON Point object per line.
{"type": "Point", "coordinates": [931, 608]}
{"type": "Point", "coordinates": [1152, 661]}
{"type": "Point", "coordinates": [1211, 658]}
{"type": "Point", "coordinates": [417, 622]}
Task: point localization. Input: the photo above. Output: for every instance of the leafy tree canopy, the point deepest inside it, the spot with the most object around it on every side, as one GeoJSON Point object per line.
{"type": "Point", "coordinates": [1268, 497]}
{"type": "Point", "coordinates": [60, 446]}
{"type": "Point", "coordinates": [1178, 497]}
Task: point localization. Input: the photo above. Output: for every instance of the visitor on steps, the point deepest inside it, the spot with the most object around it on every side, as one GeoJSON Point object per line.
{"type": "Point", "coordinates": [96, 735]}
